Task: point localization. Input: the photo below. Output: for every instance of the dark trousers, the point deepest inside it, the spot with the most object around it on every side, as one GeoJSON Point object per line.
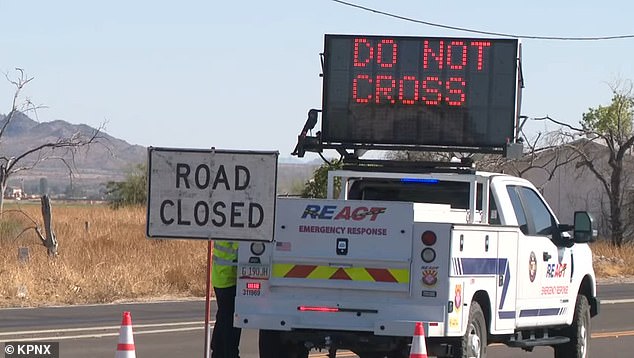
{"type": "Point", "coordinates": [225, 338]}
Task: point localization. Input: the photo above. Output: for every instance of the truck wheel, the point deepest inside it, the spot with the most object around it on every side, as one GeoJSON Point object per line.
{"type": "Point", "coordinates": [474, 343]}
{"type": "Point", "coordinates": [578, 332]}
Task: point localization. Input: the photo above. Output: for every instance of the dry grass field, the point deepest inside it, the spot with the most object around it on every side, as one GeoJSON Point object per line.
{"type": "Point", "coordinates": [611, 262]}
{"type": "Point", "coordinates": [104, 256]}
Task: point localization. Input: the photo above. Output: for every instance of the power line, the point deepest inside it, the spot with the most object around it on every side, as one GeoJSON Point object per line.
{"type": "Point", "coordinates": [591, 38]}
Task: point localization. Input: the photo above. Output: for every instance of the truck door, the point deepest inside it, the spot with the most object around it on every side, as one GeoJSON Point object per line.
{"type": "Point", "coordinates": [543, 267]}
{"type": "Point", "coordinates": [506, 299]}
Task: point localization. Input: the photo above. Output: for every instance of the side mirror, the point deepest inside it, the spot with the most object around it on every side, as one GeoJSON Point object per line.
{"type": "Point", "coordinates": [584, 229]}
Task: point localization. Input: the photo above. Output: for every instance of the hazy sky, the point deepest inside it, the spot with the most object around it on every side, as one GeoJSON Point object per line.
{"type": "Point", "coordinates": [243, 74]}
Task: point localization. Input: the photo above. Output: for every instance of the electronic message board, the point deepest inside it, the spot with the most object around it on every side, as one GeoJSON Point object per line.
{"type": "Point", "coordinates": [419, 90]}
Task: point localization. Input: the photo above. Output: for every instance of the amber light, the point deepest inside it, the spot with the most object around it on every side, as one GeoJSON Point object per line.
{"type": "Point", "coordinates": [428, 238]}
{"type": "Point", "coordinates": [317, 309]}
{"type": "Point", "coordinates": [253, 285]}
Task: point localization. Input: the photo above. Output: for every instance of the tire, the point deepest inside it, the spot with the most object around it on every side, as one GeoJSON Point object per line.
{"type": "Point", "coordinates": [578, 332]}
{"type": "Point", "coordinates": [270, 345]}
{"type": "Point", "coordinates": [474, 343]}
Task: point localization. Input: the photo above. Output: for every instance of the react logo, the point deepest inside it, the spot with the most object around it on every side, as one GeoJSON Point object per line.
{"type": "Point", "coordinates": [556, 270]}
{"type": "Point", "coordinates": [331, 212]}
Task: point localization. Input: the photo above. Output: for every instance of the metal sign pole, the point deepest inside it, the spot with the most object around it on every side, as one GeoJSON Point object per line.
{"type": "Point", "coordinates": [208, 301]}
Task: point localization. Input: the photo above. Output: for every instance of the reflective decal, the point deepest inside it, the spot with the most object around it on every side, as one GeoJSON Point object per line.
{"type": "Point", "coordinates": [315, 272]}
{"type": "Point", "coordinates": [430, 275]}
{"type": "Point", "coordinates": [458, 297]}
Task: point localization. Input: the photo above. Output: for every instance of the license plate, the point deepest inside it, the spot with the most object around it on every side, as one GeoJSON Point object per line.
{"type": "Point", "coordinates": [254, 271]}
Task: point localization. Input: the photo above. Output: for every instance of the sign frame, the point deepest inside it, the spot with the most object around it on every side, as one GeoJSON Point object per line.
{"type": "Point", "coordinates": [211, 194]}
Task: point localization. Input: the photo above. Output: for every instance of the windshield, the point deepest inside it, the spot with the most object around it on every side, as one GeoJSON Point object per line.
{"type": "Point", "coordinates": [456, 194]}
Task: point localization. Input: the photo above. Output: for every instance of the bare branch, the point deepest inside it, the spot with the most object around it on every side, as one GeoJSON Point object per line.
{"type": "Point", "coordinates": [64, 148]}
{"type": "Point", "coordinates": [588, 163]}
{"type": "Point", "coordinates": [19, 84]}
{"type": "Point", "coordinates": [75, 141]}
{"type": "Point", "coordinates": [23, 213]}
{"type": "Point", "coordinates": [566, 125]}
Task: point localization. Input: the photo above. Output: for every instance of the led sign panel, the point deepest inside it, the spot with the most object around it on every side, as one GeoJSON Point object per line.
{"type": "Point", "coordinates": [419, 90]}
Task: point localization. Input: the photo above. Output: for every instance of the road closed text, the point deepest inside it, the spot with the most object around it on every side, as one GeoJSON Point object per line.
{"type": "Point", "coordinates": [210, 212]}
{"type": "Point", "coordinates": [235, 214]}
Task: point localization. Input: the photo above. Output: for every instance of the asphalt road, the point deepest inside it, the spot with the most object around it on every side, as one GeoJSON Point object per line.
{"type": "Point", "coordinates": [176, 329]}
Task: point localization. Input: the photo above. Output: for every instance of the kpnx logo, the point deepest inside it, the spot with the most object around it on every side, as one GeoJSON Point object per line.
{"type": "Point", "coordinates": [333, 212]}
{"type": "Point", "coordinates": [31, 349]}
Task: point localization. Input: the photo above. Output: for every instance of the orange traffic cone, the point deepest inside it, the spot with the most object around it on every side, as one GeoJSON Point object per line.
{"type": "Point", "coordinates": [419, 347]}
{"type": "Point", "coordinates": [125, 348]}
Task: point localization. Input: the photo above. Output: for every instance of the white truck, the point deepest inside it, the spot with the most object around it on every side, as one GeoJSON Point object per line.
{"type": "Point", "coordinates": [478, 257]}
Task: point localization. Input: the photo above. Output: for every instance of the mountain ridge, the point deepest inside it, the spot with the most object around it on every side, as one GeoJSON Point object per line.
{"type": "Point", "coordinates": [109, 159]}
{"type": "Point", "coordinates": [24, 133]}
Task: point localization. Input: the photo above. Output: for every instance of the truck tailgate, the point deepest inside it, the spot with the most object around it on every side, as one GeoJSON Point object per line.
{"type": "Point", "coordinates": [352, 245]}
{"type": "Point", "coordinates": [344, 265]}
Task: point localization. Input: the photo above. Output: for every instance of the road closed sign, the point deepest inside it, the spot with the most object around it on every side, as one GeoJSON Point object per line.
{"type": "Point", "coordinates": [211, 194]}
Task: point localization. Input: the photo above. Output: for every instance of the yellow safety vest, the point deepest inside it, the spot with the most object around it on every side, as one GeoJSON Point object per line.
{"type": "Point", "coordinates": [224, 269]}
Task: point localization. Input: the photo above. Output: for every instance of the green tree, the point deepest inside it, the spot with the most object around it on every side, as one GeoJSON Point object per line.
{"type": "Point", "coordinates": [130, 192]}
{"type": "Point", "coordinates": [317, 186]}
{"type": "Point", "coordinates": [613, 125]}
{"type": "Point", "coordinates": [610, 126]}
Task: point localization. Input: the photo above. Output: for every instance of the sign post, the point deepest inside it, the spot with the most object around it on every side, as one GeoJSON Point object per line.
{"type": "Point", "coordinates": [211, 194]}
{"type": "Point", "coordinates": [208, 300]}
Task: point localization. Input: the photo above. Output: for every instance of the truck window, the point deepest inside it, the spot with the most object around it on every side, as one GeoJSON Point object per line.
{"type": "Point", "coordinates": [532, 214]}
{"type": "Point", "coordinates": [494, 216]}
{"type": "Point", "coordinates": [455, 194]}
{"type": "Point", "coordinates": [538, 213]}
{"type": "Point", "coordinates": [518, 209]}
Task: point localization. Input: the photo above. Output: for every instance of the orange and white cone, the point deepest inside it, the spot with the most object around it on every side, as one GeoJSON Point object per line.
{"type": "Point", "coordinates": [419, 347]}
{"type": "Point", "coordinates": [125, 348]}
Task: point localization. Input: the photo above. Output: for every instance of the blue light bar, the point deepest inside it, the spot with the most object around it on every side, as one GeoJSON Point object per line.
{"type": "Point", "coordinates": [420, 180]}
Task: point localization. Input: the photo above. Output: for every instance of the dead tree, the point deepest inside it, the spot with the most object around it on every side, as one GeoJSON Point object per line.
{"type": "Point", "coordinates": [47, 235]}
{"type": "Point", "coordinates": [59, 149]}
{"type": "Point", "coordinates": [50, 241]}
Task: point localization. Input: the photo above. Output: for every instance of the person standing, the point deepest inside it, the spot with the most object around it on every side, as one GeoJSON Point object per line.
{"type": "Point", "coordinates": [225, 339]}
